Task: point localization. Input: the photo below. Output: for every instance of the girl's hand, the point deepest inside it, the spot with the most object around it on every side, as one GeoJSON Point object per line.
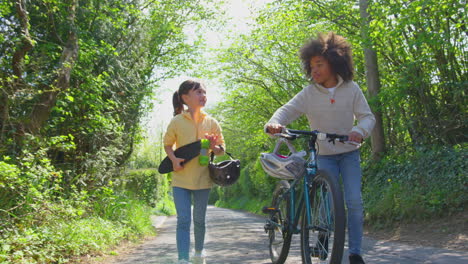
{"type": "Point", "coordinates": [213, 140]}
{"type": "Point", "coordinates": [177, 164]}
{"type": "Point", "coordinates": [214, 143]}
{"type": "Point", "coordinates": [273, 128]}
{"type": "Point", "coordinates": [355, 137]}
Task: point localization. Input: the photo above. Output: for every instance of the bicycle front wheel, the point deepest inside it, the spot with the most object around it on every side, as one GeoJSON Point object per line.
{"type": "Point", "coordinates": [278, 224]}
{"type": "Point", "coordinates": [323, 240]}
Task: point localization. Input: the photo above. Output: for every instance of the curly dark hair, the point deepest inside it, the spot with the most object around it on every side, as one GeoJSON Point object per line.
{"type": "Point", "coordinates": [334, 48]}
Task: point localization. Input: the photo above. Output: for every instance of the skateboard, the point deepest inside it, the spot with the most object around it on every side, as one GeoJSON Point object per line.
{"type": "Point", "coordinates": [188, 152]}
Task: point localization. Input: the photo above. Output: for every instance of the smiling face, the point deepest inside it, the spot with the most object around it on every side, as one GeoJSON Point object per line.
{"type": "Point", "coordinates": [195, 98]}
{"type": "Point", "coordinates": [322, 73]}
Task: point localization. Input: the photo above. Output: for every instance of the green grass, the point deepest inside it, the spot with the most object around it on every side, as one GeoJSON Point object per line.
{"type": "Point", "coordinates": [62, 239]}
{"type": "Point", "coordinates": [165, 206]}
{"type": "Point", "coordinates": [249, 204]}
{"type": "Point", "coordinates": [53, 229]}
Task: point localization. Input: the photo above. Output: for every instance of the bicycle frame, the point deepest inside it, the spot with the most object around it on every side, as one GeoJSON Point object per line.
{"type": "Point", "coordinates": [309, 174]}
{"type": "Point", "coordinates": [313, 198]}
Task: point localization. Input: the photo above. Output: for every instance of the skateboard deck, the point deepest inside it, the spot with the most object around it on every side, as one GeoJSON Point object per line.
{"type": "Point", "coordinates": [186, 152]}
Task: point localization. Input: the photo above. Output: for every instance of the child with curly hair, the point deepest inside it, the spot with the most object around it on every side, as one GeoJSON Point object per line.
{"type": "Point", "coordinates": [333, 103]}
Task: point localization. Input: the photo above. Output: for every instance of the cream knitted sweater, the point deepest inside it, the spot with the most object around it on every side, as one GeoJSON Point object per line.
{"type": "Point", "coordinates": [330, 113]}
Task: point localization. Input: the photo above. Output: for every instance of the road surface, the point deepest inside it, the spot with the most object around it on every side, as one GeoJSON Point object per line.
{"type": "Point", "coordinates": [235, 237]}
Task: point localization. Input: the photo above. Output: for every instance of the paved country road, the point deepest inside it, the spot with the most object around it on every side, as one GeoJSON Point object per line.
{"type": "Point", "coordinates": [235, 237]}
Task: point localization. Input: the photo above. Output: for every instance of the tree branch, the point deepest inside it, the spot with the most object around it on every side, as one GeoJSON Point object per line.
{"type": "Point", "coordinates": [26, 42]}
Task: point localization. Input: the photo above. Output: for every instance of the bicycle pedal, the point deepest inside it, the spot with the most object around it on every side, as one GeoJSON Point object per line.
{"type": "Point", "coordinates": [267, 210]}
{"type": "Point", "coordinates": [268, 227]}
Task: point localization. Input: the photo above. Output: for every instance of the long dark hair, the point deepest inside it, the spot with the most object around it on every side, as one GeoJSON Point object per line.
{"type": "Point", "coordinates": [184, 88]}
{"type": "Point", "coordinates": [335, 49]}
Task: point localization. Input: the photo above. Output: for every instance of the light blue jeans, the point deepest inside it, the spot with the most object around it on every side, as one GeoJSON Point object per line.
{"type": "Point", "coordinates": [347, 165]}
{"type": "Point", "coordinates": [183, 203]}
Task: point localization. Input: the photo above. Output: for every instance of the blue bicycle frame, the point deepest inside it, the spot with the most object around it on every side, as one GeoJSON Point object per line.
{"type": "Point", "coordinates": [310, 172]}
{"type": "Point", "coordinates": [320, 205]}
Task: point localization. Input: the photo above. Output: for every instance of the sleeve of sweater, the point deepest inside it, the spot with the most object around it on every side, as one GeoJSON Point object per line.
{"type": "Point", "coordinates": [291, 111]}
{"type": "Point", "coordinates": [363, 114]}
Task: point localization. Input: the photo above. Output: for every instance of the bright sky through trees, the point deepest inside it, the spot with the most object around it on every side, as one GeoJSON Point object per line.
{"type": "Point", "coordinates": [241, 14]}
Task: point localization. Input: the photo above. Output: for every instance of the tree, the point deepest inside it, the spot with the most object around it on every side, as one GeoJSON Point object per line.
{"type": "Point", "coordinates": [413, 54]}
{"type": "Point", "coordinates": [373, 82]}
{"type": "Point", "coordinates": [423, 71]}
{"type": "Point", "coordinates": [87, 70]}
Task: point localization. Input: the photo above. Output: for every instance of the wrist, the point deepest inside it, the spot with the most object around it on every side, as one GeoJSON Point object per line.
{"type": "Point", "coordinates": [217, 149]}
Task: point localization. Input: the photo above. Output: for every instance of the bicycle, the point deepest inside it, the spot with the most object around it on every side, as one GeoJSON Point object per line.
{"type": "Point", "coordinates": [314, 200]}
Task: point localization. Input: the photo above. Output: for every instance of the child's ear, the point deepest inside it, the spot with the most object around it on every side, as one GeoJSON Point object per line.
{"type": "Point", "coordinates": [184, 97]}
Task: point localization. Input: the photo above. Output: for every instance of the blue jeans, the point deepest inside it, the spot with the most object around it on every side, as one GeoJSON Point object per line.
{"type": "Point", "coordinates": [183, 203]}
{"type": "Point", "coordinates": [348, 166]}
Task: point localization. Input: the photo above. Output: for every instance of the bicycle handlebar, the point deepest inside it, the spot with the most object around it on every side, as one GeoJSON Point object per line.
{"type": "Point", "coordinates": [293, 134]}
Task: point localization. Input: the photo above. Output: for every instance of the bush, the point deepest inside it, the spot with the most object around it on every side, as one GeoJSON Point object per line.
{"type": "Point", "coordinates": [59, 240]}
{"type": "Point", "coordinates": [41, 223]}
{"type": "Point", "coordinates": [149, 186]}
{"type": "Point", "coordinates": [28, 184]}
{"type": "Point", "coordinates": [410, 186]}
{"type": "Point", "coordinates": [415, 185]}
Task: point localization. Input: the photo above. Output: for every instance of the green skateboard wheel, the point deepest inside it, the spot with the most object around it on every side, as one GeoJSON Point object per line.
{"type": "Point", "coordinates": [204, 160]}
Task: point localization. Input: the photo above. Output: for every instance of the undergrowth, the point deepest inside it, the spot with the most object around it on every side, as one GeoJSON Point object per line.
{"type": "Point", "coordinates": [402, 187]}
{"type": "Point", "coordinates": [41, 223]}
{"type": "Point", "coordinates": [64, 236]}
{"type": "Point", "coordinates": [412, 186]}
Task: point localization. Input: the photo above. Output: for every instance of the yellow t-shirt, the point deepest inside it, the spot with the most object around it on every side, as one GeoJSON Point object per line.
{"type": "Point", "coordinates": [183, 130]}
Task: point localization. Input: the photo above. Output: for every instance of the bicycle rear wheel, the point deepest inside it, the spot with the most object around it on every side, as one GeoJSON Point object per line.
{"type": "Point", "coordinates": [277, 224]}
{"type": "Point", "coordinates": [323, 241]}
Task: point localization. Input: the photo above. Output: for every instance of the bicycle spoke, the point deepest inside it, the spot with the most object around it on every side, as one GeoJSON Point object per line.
{"type": "Point", "coordinates": [321, 207]}
{"type": "Point", "coordinates": [280, 238]}
{"type": "Point", "coordinates": [322, 242]}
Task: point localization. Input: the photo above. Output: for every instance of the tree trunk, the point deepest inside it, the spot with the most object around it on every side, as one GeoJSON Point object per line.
{"type": "Point", "coordinates": [26, 42]}
{"type": "Point", "coordinates": [42, 108]}
{"type": "Point", "coordinates": [373, 82]}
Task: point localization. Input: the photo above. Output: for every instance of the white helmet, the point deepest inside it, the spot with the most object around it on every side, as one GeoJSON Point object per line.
{"type": "Point", "coordinates": [283, 167]}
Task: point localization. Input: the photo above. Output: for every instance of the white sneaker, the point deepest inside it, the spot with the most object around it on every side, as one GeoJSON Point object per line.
{"type": "Point", "coordinates": [198, 258]}
{"type": "Point", "coordinates": [183, 261]}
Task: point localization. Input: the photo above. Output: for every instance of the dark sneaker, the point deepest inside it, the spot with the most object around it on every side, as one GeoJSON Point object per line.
{"type": "Point", "coordinates": [355, 259]}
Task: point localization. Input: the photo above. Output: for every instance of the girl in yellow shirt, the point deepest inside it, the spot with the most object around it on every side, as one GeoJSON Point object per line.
{"type": "Point", "coordinates": [191, 180]}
